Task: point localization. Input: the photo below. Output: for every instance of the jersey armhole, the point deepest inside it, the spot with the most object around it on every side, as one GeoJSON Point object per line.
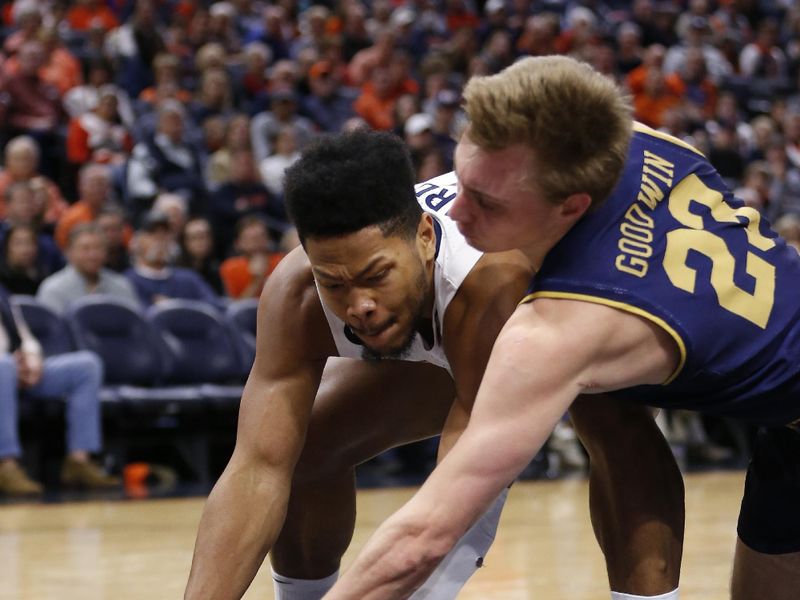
{"type": "Point", "coordinates": [629, 308]}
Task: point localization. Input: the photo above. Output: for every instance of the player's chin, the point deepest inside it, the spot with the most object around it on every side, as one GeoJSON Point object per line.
{"type": "Point", "coordinates": [472, 239]}
{"type": "Point", "coordinates": [392, 348]}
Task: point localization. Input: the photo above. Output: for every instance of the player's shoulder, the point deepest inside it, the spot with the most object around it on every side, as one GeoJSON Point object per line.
{"type": "Point", "coordinates": [497, 282]}
{"type": "Point", "coordinates": [648, 135]}
{"type": "Point", "coordinates": [290, 291]}
{"type": "Point", "coordinates": [291, 318]}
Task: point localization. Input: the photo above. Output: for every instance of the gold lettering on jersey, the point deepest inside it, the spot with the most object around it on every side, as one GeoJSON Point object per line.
{"type": "Point", "coordinates": [637, 226]}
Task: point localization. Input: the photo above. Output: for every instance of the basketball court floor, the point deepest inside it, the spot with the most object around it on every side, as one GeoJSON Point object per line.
{"type": "Point", "coordinates": [125, 550]}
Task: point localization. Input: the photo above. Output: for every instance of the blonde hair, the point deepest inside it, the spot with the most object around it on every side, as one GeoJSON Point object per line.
{"type": "Point", "coordinates": [576, 121]}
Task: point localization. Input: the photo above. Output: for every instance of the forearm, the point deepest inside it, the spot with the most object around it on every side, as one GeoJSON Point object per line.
{"type": "Point", "coordinates": [241, 520]}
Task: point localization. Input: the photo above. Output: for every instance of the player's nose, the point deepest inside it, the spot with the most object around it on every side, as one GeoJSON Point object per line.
{"type": "Point", "coordinates": [459, 210]}
{"type": "Point", "coordinates": [360, 306]}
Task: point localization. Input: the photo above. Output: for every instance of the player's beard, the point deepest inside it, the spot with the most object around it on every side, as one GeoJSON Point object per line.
{"type": "Point", "coordinates": [372, 355]}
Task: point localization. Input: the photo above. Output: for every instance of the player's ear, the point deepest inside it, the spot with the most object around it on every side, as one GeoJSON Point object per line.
{"type": "Point", "coordinates": [426, 237]}
{"type": "Point", "coordinates": [575, 206]}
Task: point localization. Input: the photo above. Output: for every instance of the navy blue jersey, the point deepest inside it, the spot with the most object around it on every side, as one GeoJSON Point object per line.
{"type": "Point", "coordinates": [673, 246]}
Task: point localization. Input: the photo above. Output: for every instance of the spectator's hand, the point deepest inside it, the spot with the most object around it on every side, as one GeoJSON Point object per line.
{"type": "Point", "coordinates": [159, 298]}
{"type": "Point", "coordinates": [29, 368]}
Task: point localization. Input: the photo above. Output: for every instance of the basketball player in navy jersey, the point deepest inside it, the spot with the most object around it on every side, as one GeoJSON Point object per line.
{"type": "Point", "coordinates": [653, 284]}
{"type": "Point", "coordinates": [382, 279]}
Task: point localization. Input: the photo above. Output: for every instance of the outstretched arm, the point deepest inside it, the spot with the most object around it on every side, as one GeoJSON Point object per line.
{"type": "Point", "coordinates": [543, 358]}
{"type": "Point", "coordinates": [246, 509]}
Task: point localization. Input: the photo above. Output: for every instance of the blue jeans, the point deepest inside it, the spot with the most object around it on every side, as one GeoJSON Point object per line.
{"type": "Point", "coordinates": [76, 377]}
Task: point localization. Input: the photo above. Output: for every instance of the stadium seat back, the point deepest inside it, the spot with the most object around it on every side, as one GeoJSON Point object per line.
{"type": "Point", "coordinates": [202, 348]}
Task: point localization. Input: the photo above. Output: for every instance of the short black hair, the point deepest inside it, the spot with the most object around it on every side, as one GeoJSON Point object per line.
{"type": "Point", "coordinates": [345, 182]}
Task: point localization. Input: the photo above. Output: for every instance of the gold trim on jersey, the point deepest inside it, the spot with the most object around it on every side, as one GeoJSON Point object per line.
{"type": "Point", "coordinates": [642, 128]}
{"type": "Point", "coordinates": [627, 308]}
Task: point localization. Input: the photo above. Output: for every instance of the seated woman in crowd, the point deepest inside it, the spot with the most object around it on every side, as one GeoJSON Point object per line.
{"type": "Point", "coordinates": [20, 269]}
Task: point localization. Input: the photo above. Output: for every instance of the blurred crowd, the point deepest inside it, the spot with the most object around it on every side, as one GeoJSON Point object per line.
{"type": "Point", "coordinates": [167, 124]}
{"type": "Point", "coordinates": [144, 142]}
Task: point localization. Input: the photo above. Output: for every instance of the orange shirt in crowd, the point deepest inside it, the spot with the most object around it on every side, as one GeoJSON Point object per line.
{"type": "Point", "coordinates": [62, 70]}
{"type": "Point", "coordinates": [75, 215]}
{"type": "Point", "coordinates": [235, 273]}
{"type": "Point", "coordinates": [90, 138]}
{"type": "Point", "coordinates": [83, 18]}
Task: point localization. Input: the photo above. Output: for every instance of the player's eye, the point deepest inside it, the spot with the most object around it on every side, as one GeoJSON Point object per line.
{"type": "Point", "coordinates": [378, 276]}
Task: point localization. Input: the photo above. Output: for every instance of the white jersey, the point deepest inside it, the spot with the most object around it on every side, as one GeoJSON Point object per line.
{"type": "Point", "coordinates": [454, 260]}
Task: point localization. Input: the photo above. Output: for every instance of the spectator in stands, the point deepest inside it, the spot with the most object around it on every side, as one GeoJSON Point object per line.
{"type": "Point", "coordinates": [355, 36]}
{"type": "Point", "coordinates": [21, 164]}
{"type": "Point", "coordinates": [236, 137]}
{"type": "Point", "coordinates": [375, 104]}
{"type": "Point", "coordinates": [788, 227]}
{"type": "Point", "coordinates": [755, 189]}
{"type": "Point", "coordinates": [30, 105]}
{"type": "Point", "coordinates": [459, 15]}
{"type": "Point", "coordinates": [692, 83]}
{"type": "Point", "coordinates": [197, 252]}
{"type": "Point", "coordinates": [244, 275]}
{"type": "Point", "coordinates": [785, 192]}
{"type": "Point", "coordinates": [244, 194]}
{"type": "Point", "coordinates": [20, 271]}
{"type": "Point", "coordinates": [273, 167]}
{"type": "Point", "coordinates": [175, 208]}
{"type": "Point", "coordinates": [448, 122]}
{"type": "Point", "coordinates": [724, 154]}
{"type": "Point", "coordinates": [22, 209]}
{"type": "Point", "coordinates": [213, 98]}
{"type": "Point", "coordinates": [82, 99]}
{"type": "Point", "coordinates": [763, 57]}
{"type": "Point", "coordinates": [85, 273]}
{"type": "Point", "coordinates": [429, 164]}
{"type": "Point", "coordinates": [697, 36]}
{"type": "Point", "coordinates": [114, 225]}
{"type": "Point", "coordinates": [312, 30]}
{"type": "Point", "coordinates": [27, 22]}
{"type": "Point", "coordinates": [165, 162]}
{"type": "Point", "coordinates": [580, 34]}
{"type": "Point", "coordinates": [418, 134]}
{"type": "Point", "coordinates": [94, 187]}
{"type": "Point", "coordinates": [99, 135]}
{"type": "Point", "coordinates": [274, 31]}
{"type": "Point", "coordinates": [254, 84]}
{"type": "Point", "coordinates": [222, 26]}
{"type": "Point", "coordinates": [152, 276]}
{"type": "Point", "coordinates": [283, 111]}
{"type": "Point", "coordinates": [629, 52]}
{"type": "Point", "coordinates": [763, 132]}
{"type": "Point", "coordinates": [133, 46]}
{"type": "Point", "coordinates": [86, 14]}
{"type": "Point", "coordinates": [495, 19]}
{"type": "Point", "coordinates": [539, 35]}
{"type": "Point", "coordinates": [60, 67]}
{"type": "Point", "coordinates": [329, 104]}
{"type": "Point", "coordinates": [167, 84]}
{"type": "Point", "coordinates": [654, 96]}
{"type": "Point", "coordinates": [74, 376]}
{"type": "Point", "coordinates": [791, 132]}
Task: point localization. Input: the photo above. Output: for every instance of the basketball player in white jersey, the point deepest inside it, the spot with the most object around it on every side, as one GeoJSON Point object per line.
{"type": "Point", "coordinates": [397, 288]}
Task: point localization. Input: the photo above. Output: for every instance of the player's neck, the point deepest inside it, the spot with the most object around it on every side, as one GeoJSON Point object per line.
{"type": "Point", "coordinates": [538, 250]}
